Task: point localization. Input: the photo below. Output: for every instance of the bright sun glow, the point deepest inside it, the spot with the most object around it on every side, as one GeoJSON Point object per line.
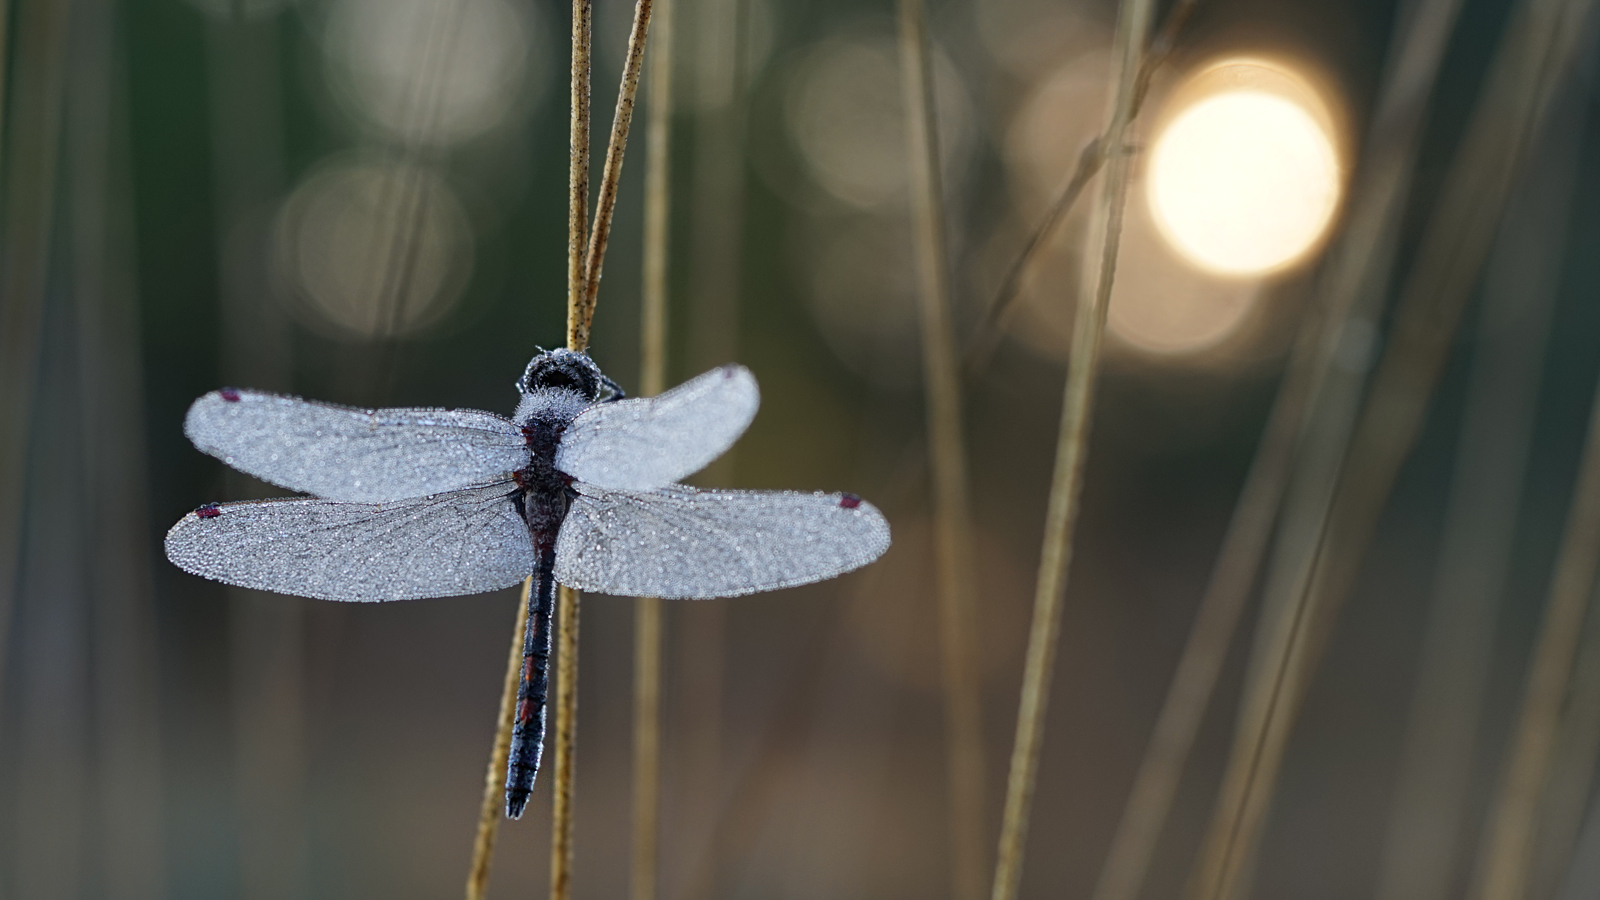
{"type": "Point", "coordinates": [1243, 182]}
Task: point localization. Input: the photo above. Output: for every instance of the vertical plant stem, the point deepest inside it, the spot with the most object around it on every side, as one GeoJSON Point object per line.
{"type": "Point", "coordinates": [495, 778]}
{"type": "Point", "coordinates": [1133, 21]}
{"type": "Point", "coordinates": [606, 203]}
{"type": "Point", "coordinates": [31, 135]}
{"type": "Point", "coordinates": [565, 769]}
{"type": "Point", "coordinates": [1422, 854]}
{"type": "Point", "coordinates": [1508, 845]}
{"type": "Point", "coordinates": [1566, 792]}
{"type": "Point", "coordinates": [657, 208]}
{"type": "Point", "coordinates": [953, 518]}
{"type": "Point", "coordinates": [646, 747]}
{"type": "Point", "coordinates": [1341, 293]}
{"type": "Point", "coordinates": [652, 379]}
{"type": "Point", "coordinates": [578, 318]}
{"type": "Point", "coordinates": [580, 314]}
{"type": "Point", "coordinates": [1538, 44]}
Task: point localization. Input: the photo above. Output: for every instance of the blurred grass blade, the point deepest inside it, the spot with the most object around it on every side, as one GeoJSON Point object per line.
{"type": "Point", "coordinates": [32, 136]}
{"type": "Point", "coordinates": [494, 780]}
{"type": "Point", "coordinates": [1568, 788]}
{"type": "Point", "coordinates": [1133, 22]}
{"type": "Point", "coordinates": [1537, 48]}
{"type": "Point", "coordinates": [611, 176]}
{"type": "Point", "coordinates": [123, 642]}
{"type": "Point", "coordinates": [1508, 842]}
{"type": "Point", "coordinates": [953, 541]}
{"type": "Point", "coordinates": [1421, 856]}
{"type": "Point", "coordinates": [1090, 160]}
{"type": "Point", "coordinates": [1376, 205]}
{"type": "Point", "coordinates": [652, 380]}
{"type": "Point", "coordinates": [580, 314]}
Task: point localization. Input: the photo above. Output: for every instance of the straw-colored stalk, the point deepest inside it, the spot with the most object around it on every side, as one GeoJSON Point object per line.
{"type": "Point", "coordinates": [31, 138]}
{"type": "Point", "coordinates": [1413, 63]}
{"type": "Point", "coordinates": [1508, 846]}
{"type": "Point", "coordinates": [495, 778]}
{"type": "Point", "coordinates": [652, 380]}
{"type": "Point", "coordinates": [952, 510]}
{"type": "Point", "coordinates": [1090, 160]}
{"type": "Point", "coordinates": [1133, 21]}
{"type": "Point", "coordinates": [1433, 784]}
{"type": "Point", "coordinates": [1538, 46]}
{"type": "Point", "coordinates": [581, 298]}
{"type": "Point", "coordinates": [1572, 768]}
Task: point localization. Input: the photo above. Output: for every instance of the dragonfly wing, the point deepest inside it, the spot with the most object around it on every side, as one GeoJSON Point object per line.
{"type": "Point", "coordinates": [679, 542]}
{"type": "Point", "coordinates": [354, 455]}
{"type": "Point", "coordinates": [462, 542]}
{"type": "Point", "coordinates": [647, 442]}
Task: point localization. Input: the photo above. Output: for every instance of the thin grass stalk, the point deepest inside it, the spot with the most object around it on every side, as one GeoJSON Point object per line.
{"type": "Point", "coordinates": [1458, 236]}
{"type": "Point", "coordinates": [1508, 845]}
{"type": "Point", "coordinates": [1432, 788]}
{"type": "Point", "coordinates": [563, 772]}
{"type": "Point", "coordinates": [953, 516]}
{"type": "Point", "coordinates": [1133, 22]}
{"type": "Point", "coordinates": [646, 747]}
{"type": "Point", "coordinates": [578, 320]}
{"type": "Point", "coordinates": [1409, 77]}
{"type": "Point", "coordinates": [32, 137]}
{"type": "Point", "coordinates": [123, 644]}
{"type": "Point", "coordinates": [1090, 160]}
{"type": "Point", "coordinates": [580, 315]}
{"type": "Point", "coordinates": [611, 176]}
{"type": "Point", "coordinates": [5, 65]}
{"type": "Point", "coordinates": [647, 611]}
{"type": "Point", "coordinates": [494, 779]}
{"type": "Point", "coordinates": [1572, 768]}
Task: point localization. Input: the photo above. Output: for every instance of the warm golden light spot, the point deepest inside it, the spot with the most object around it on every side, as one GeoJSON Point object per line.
{"type": "Point", "coordinates": [1243, 180]}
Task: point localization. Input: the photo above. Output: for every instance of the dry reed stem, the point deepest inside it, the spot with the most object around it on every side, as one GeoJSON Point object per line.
{"type": "Point", "coordinates": [1572, 768]}
{"type": "Point", "coordinates": [563, 772]}
{"type": "Point", "coordinates": [1458, 236]}
{"type": "Point", "coordinates": [657, 209]}
{"type": "Point", "coordinates": [1133, 22]}
{"type": "Point", "coordinates": [1432, 787]}
{"type": "Point", "coordinates": [953, 517]}
{"type": "Point", "coordinates": [32, 136]}
{"type": "Point", "coordinates": [652, 380]}
{"type": "Point", "coordinates": [611, 175]}
{"type": "Point", "coordinates": [1414, 62]}
{"type": "Point", "coordinates": [1090, 160]}
{"type": "Point", "coordinates": [494, 779]}
{"type": "Point", "coordinates": [646, 747]}
{"type": "Point", "coordinates": [1503, 864]}
{"type": "Point", "coordinates": [580, 315]}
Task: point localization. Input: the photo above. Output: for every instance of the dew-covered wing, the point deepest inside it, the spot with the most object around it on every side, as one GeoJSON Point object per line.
{"type": "Point", "coordinates": [355, 455]}
{"type": "Point", "coordinates": [683, 543]}
{"type": "Point", "coordinates": [462, 542]}
{"type": "Point", "coordinates": [647, 442]}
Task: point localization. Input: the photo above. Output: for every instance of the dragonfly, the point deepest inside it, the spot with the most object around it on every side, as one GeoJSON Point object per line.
{"type": "Point", "coordinates": [579, 487]}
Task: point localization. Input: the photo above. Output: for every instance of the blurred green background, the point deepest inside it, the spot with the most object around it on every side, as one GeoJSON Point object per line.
{"type": "Point", "coordinates": [344, 200]}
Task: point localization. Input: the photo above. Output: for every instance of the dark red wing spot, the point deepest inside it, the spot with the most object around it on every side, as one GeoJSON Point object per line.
{"type": "Point", "coordinates": [230, 395]}
{"type": "Point", "coordinates": [209, 511]}
{"type": "Point", "coordinates": [849, 501]}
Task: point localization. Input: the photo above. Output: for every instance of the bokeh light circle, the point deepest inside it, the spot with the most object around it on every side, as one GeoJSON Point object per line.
{"type": "Point", "coordinates": [374, 249]}
{"type": "Point", "coordinates": [845, 116]}
{"type": "Point", "coordinates": [1243, 180]}
{"type": "Point", "coordinates": [434, 71]}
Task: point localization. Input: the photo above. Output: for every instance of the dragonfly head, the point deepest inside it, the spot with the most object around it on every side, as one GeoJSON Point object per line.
{"type": "Point", "coordinates": [563, 369]}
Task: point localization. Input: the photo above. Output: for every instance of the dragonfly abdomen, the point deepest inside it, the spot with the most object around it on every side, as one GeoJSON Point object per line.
{"type": "Point", "coordinates": [527, 736]}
